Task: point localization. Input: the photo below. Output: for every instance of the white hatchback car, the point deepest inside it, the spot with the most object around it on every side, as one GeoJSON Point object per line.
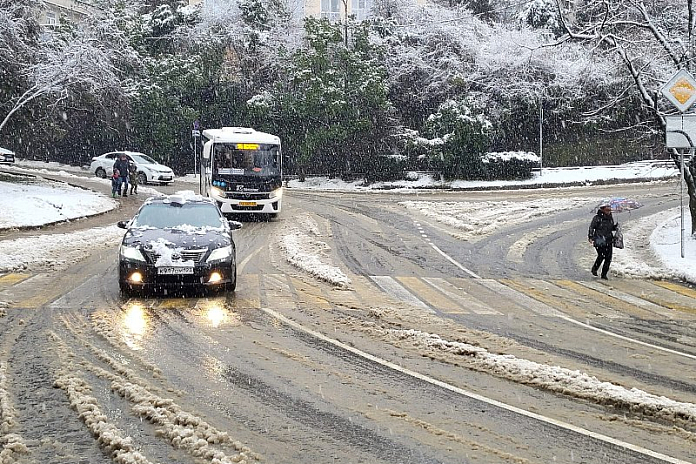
{"type": "Point", "coordinates": [149, 170]}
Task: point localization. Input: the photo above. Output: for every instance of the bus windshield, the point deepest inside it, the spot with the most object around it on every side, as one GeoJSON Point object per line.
{"type": "Point", "coordinates": [248, 159]}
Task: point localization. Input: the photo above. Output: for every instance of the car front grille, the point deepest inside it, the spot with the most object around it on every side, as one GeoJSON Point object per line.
{"type": "Point", "coordinates": [185, 255]}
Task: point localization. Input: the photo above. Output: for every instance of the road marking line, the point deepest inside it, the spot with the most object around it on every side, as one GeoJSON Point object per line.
{"type": "Point", "coordinates": [628, 298]}
{"type": "Point", "coordinates": [245, 261]}
{"type": "Point", "coordinates": [476, 396]}
{"type": "Point", "coordinates": [521, 298]}
{"type": "Point", "coordinates": [430, 295]}
{"type": "Point", "coordinates": [11, 279]}
{"type": "Point", "coordinates": [460, 296]}
{"type": "Point", "coordinates": [676, 288]}
{"type": "Point", "coordinates": [451, 260]}
{"type": "Point", "coordinates": [611, 334]}
{"type": "Point", "coordinates": [395, 289]}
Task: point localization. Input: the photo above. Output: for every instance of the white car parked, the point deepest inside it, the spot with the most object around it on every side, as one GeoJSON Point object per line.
{"type": "Point", "coordinates": [149, 170]}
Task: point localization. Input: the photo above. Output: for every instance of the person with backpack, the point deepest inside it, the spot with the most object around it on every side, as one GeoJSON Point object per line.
{"type": "Point", "coordinates": [601, 236]}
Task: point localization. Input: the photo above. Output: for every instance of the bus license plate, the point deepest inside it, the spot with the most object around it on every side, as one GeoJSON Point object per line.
{"type": "Point", "coordinates": [174, 270]}
{"type": "Point", "coordinates": [247, 203]}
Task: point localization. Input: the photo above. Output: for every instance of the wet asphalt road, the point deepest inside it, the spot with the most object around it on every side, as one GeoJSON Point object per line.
{"type": "Point", "coordinates": [291, 369]}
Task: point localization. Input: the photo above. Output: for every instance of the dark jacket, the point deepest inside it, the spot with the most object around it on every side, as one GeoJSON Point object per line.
{"type": "Point", "coordinates": [122, 166]}
{"type": "Point", "coordinates": [601, 229]}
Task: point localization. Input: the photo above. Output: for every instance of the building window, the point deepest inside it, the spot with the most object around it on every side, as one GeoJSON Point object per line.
{"type": "Point", "coordinates": [51, 18]}
{"type": "Point", "coordinates": [331, 10]}
{"type": "Point", "coordinates": [361, 9]}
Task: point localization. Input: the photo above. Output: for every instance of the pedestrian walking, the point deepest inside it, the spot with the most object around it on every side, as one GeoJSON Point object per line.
{"type": "Point", "coordinates": [121, 165]}
{"type": "Point", "coordinates": [601, 236]}
{"type": "Point", "coordinates": [115, 184]}
{"type": "Point", "coordinates": [133, 177]}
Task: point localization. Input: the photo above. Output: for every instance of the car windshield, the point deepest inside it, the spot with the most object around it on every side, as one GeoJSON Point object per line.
{"type": "Point", "coordinates": [171, 216]}
{"type": "Point", "coordinates": [143, 159]}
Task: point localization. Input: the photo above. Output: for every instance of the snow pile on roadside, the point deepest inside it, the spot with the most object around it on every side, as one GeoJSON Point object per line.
{"type": "Point", "coordinates": [56, 251]}
{"type": "Point", "coordinates": [481, 218]}
{"type": "Point", "coordinates": [29, 205]}
{"type": "Point", "coordinates": [310, 254]}
{"type": "Point", "coordinates": [653, 248]}
{"type": "Point", "coordinates": [555, 378]}
{"type": "Point", "coordinates": [665, 241]}
{"type": "Point", "coordinates": [10, 444]}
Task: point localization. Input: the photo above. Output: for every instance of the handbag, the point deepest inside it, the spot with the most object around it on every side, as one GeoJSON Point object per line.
{"type": "Point", "coordinates": [618, 240]}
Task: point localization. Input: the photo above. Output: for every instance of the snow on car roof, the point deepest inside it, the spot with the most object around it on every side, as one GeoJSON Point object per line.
{"type": "Point", "coordinates": [181, 197]}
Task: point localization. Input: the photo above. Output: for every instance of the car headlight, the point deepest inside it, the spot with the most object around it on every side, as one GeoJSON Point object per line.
{"type": "Point", "coordinates": [220, 253]}
{"type": "Point", "coordinates": [132, 253]}
{"type": "Point", "coordinates": [277, 193]}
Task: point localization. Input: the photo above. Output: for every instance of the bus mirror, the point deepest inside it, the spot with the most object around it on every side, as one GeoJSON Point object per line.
{"type": "Point", "coordinates": [206, 150]}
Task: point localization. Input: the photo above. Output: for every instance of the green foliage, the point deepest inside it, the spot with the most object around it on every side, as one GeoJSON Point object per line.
{"type": "Point", "coordinates": [463, 133]}
{"type": "Point", "coordinates": [331, 105]}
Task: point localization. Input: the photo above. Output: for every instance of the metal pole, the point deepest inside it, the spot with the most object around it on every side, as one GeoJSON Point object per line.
{"type": "Point", "coordinates": [195, 153]}
{"type": "Point", "coordinates": [541, 134]}
{"type": "Point", "coordinates": [681, 196]}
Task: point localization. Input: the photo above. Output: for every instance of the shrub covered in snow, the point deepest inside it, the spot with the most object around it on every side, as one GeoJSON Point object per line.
{"type": "Point", "coordinates": [510, 165]}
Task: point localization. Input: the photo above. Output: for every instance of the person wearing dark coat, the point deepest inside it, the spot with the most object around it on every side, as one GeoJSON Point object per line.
{"type": "Point", "coordinates": [122, 165]}
{"type": "Point", "coordinates": [601, 235]}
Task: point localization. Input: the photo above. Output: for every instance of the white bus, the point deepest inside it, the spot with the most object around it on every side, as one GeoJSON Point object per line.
{"type": "Point", "coordinates": [242, 170]}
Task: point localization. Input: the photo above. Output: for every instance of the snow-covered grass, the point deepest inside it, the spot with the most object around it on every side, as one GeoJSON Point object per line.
{"type": "Point", "coordinates": [55, 251]}
{"type": "Point", "coordinates": [32, 204]}
{"type": "Point", "coordinates": [547, 177]}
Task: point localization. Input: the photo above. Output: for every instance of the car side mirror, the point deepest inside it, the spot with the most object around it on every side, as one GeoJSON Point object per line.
{"type": "Point", "coordinates": [122, 224]}
{"type": "Point", "coordinates": [235, 225]}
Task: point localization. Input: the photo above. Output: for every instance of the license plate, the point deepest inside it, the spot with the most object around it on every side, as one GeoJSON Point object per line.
{"type": "Point", "coordinates": [174, 270]}
{"type": "Point", "coordinates": [247, 203]}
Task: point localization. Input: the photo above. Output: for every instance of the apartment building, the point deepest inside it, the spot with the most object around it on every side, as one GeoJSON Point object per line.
{"type": "Point", "coordinates": [53, 12]}
{"type": "Point", "coordinates": [334, 10]}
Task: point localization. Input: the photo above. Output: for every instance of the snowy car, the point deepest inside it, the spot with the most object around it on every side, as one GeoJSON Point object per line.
{"type": "Point", "coordinates": [178, 242]}
{"type": "Point", "coordinates": [6, 156]}
{"type": "Point", "coordinates": [149, 170]}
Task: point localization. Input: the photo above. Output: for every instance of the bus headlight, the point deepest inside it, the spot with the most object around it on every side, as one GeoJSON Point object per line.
{"type": "Point", "coordinates": [277, 193]}
{"type": "Point", "coordinates": [217, 192]}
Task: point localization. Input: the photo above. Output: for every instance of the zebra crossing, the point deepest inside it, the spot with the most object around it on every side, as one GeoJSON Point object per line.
{"type": "Point", "coordinates": [443, 295]}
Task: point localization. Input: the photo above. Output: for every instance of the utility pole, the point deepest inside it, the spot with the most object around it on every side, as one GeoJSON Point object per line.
{"type": "Point", "coordinates": [541, 134]}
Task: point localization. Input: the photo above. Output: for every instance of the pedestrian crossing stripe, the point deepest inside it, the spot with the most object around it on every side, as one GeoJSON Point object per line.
{"type": "Point", "coordinates": [453, 296]}
{"type": "Point", "coordinates": [7, 280]}
{"type": "Point", "coordinates": [393, 288]}
{"type": "Point", "coordinates": [682, 290]}
{"type": "Point", "coordinates": [458, 294]}
{"type": "Point", "coordinates": [630, 299]}
{"type": "Point", "coordinates": [606, 302]}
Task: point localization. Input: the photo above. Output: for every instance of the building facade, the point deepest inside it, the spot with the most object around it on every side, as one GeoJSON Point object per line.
{"type": "Point", "coordinates": [53, 12]}
{"type": "Point", "coordinates": [333, 10]}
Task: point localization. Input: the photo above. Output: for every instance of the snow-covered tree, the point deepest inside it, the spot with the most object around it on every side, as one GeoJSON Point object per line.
{"type": "Point", "coordinates": [650, 41]}
{"type": "Point", "coordinates": [330, 104]}
{"type": "Point", "coordinates": [454, 137]}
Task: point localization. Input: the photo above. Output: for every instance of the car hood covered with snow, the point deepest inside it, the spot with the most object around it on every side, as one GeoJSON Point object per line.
{"type": "Point", "coordinates": [160, 241]}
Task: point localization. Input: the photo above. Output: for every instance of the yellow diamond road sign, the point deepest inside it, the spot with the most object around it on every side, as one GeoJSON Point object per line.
{"type": "Point", "coordinates": [680, 89]}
